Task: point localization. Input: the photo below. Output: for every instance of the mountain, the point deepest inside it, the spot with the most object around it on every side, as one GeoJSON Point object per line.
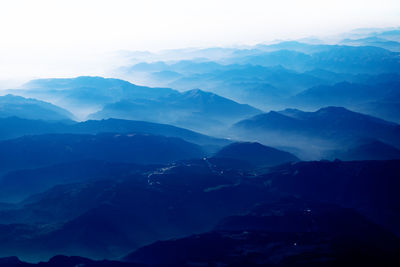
{"type": "Point", "coordinates": [387, 108]}
{"type": "Point", "coordinates": [254, 84]}
{"type": "Point", "coordinates": [89, 88]}
{"type": "Point", "coordinates": [107, 218]}
{"type": "Point", "coordinates": [290, 232]}
{"type": "Point", "coordinates": [129, 126]}
{"type": "Point", "coordinates": [370, 187]}
{"type": "Point", "coordinates": [374, 41]}
{"type": "Point", "coordinates": [65, 261]}
{"type": "Point", "coordinates": [113, 98]}
{"type": "Point", "coordinates": [286, 233]}
{"type": "Point", "coordinates": [369, 150]}
{"type": "Point", "coordinates": [29, 108]}
{"type": "Point", "coordinates": [364, 59]}
{"type": "Point", "coordinates": [256, 154]}
{"type": "Point", "coordinates": [265, 76]}
{"type": "Point", "coordinates": [343, 93]}
{"type": "Point", "coordinates": [194, 109]}
{"type": "Point", "coordinates": [84, 95]}
{"type": "Point", "coordinates": [336, 58]}
{"type": "Point", "coordinates": [14, 127]}
{"type": "Point", "coordinates": [41, 150]}
{"type": "Point", "coordinates": [379, 99]}
{"type": "Point", "coordinates": [316, 132]}
{"type": "Point", "coordinates": [18, 185]}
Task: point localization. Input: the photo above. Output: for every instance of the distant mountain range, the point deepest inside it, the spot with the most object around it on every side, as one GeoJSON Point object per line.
{"type": "Point", "coordinates": [194, 109]}
{"type": "Point", "coordinates": [381, 99]}
{"type": "Point", "coordinates": [282, 154]}
{"type": "Point", "coordinates": [322, 130]}
{"type": "Point", "coordinates": [113, 98]}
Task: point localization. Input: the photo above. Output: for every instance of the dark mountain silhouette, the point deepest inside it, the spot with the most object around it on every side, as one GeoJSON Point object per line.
{"type": "Point", "coordinates": [287, 233]}
{"type": "Point", "coordinates": [256, 154]}
{"type": "Point", "coordinates": [65, 261]}
{"type": "Point", "coordinates": [18, 185]}
{"type": "Point", "coordinates": [370, 187]}
{"type": "Point", "coordinates": [14, 127]}
{"type": "Point", "coordinates": [29, 108]}
{"type": "Point", "coordinates": [291, 232]}
{"type": "Point", "coordinates": [41, 150]}
{"type": "Point", "coordinates": [369, 150]}
{"type": "Point", "coordinates": [107, 218]}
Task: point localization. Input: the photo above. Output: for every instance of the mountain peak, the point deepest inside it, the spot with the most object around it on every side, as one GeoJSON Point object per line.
{"type": "Point", "coordinates": [198, 93]}
{"type": "Point", "coordinates": [334, 109]}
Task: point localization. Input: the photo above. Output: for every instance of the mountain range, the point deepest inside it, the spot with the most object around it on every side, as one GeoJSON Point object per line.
{"type": "Point", "coordinates": [324, 129]}
{"type": "Point", "coordinates": [278, 154]}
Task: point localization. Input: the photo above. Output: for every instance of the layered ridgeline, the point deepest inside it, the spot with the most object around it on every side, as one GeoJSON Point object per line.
{"type": "Point", "coordinates": [194, 109]}
{"type": "Point", "coordinates": [132, 187]}
{"type": "Point", "coordinates": [349, 207]}
{"type": "Point", "coordinates": [36, 163]}
{"type": "Point", "coordinates": [256, 154]}
{"type": "Point", "coordinates": [295, 74]}
{"type": "Point", "coordinates": [30, 108]}
{"type": "Point", "coordinates": [100, 98]}
{"type": "Point", "coordinates": [14, 127]}
{"type": "Point", "coordinates": [41, 150]}
{"type": "Point", "coordinates": [286, 233]}
{"type": "Point", "coordinates": [317, 134]}
{"type": "Point", "coordinates": [379, 97]}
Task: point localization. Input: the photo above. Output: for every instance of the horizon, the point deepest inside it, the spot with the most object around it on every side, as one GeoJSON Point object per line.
{"type": "Point", "coordinates": [64, 38]}
{"type": "Point", "coordinates": [115, 59]}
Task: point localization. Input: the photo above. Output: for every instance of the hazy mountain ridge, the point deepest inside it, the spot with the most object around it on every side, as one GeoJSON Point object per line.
{"type": "Point", "coordinates": [328, 127]}
{"type": "Point", "coordinates": [29, 108]}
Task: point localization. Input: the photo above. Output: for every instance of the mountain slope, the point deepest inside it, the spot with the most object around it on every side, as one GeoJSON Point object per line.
{"type": "Point", "coordinates": [41, 150]}
{"type": "Point", "coordinates": [287, 233]}
{"type": "Point", "coordinates": [368, 186]}
{"type": "Point", "coordinates": [86, 94]}
{"type": "Point", "coordinates": [17, 185]}
{"type": "Point", "coordinates": [369, 150]}
{"type": "Point", "coordinates": [323, 130]}
{"type": "Point", "coordinates": [29, 108]}
{"type": "Point", "coordinates": [14, 127]}
{"type": "Point", "coordinates": [256, 154]}
{"type": "Point", "coordinates": [194, 109]}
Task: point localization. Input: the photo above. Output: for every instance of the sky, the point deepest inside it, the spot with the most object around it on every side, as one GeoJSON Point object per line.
{"type": "Point", "coordinates": [68, 37]}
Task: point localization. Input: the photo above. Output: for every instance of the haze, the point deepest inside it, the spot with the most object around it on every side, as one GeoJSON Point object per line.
{"type": "Point", "coordinates": [48, 38]}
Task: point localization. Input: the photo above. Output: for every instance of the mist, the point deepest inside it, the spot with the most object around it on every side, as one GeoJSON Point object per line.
{"type": "Point", "coordinates": [207, 133]}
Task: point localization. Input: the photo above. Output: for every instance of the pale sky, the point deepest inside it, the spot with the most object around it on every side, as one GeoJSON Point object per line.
{"type": "Point", "coordinates": [72, 37]}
